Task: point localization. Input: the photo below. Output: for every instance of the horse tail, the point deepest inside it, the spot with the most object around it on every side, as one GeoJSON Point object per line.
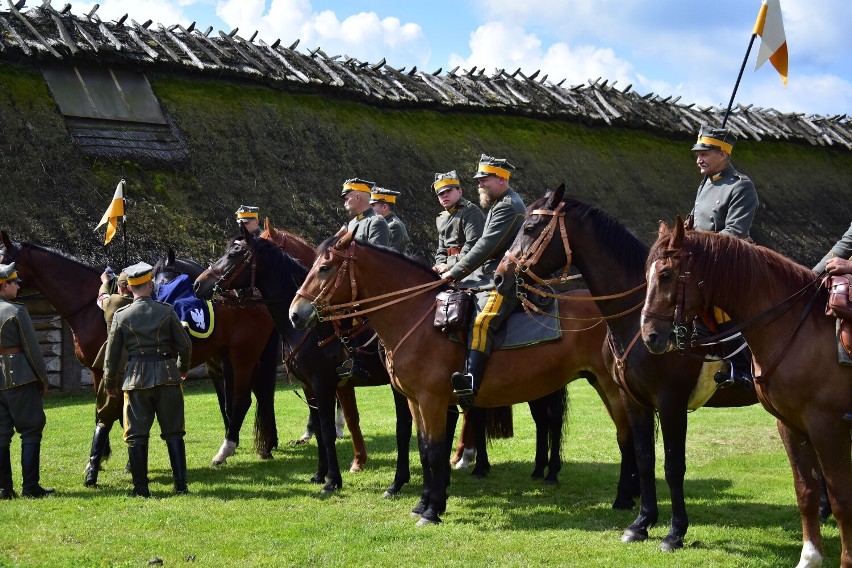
{"type": "Point", "coordinates": [265, 375]}
{"type": "Point", "coordinates": [498, 423]}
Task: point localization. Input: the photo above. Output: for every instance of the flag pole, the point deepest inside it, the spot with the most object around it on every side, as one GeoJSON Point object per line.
{"type": "Point", "coordinates": [739, 78]}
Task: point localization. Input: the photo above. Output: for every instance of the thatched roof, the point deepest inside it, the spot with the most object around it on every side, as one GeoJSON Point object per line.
{"type": "Point", "coordinates": [44, 35]}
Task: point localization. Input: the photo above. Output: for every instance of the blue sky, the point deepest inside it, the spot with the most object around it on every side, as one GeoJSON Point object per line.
{"type": "Point", "coordinates": [681, 48]}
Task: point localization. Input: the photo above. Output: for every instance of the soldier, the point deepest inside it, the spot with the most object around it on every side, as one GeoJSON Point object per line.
{"type": "Point", "coordinates": [383, 202]}
{"type": "Point", "coordinates": [250, 217]}
{"type": "Point", "coordinates": [459, 225]}
{"type": "Point", "coordinates": [107, 409]}
{"type": "Point", "coordinates": [23, 381]}
{"type": "Point", "coordinates": [839, 258]}
{"type": "Point", "coordinates": [506, 212]}
{"type": "Point", "coordinates": [150, 331]}
{"type": "Point", "coordinates": [726, 203]}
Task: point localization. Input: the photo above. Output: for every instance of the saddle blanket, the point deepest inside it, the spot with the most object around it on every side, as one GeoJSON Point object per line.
{"type": "Point", "coordinates": [196, 315]}
{"type": "Point", "coordinates": [525, 329]}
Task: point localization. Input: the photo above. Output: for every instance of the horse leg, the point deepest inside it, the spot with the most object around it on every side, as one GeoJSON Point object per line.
{"type": "Point", "coordinates": [673, 424]}
{"type": "Point", "coordinates": [346, 396]}
{"type": "Point", "coordinates": [403, 441]}
{"type": "Point", "coordinates": [432, 435]}
{"type": "Point", "coordinates": [557, 410]}
{"type": "Point", "coordinates": [538, 410]}
{"type": "Point", "coordinates": [477, 421]}
{"type": "Point", "coordinates": [465, 454]}
{"type": "Point", "coordinates": [263, 386]}
{"type": "Point", "coordinates": [642, 425]}
{"type": "Point", "coordinates": [325, 387]}
{"type": "Point", "coordinates": [221, 373]}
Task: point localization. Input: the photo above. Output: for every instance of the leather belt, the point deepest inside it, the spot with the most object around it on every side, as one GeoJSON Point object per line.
{"type": "Point", "coordinates": [11, 350]}
{"type": "Point", "coordinates": [150, 358]}
{"type": "Point", "coordinates": [453, 251]}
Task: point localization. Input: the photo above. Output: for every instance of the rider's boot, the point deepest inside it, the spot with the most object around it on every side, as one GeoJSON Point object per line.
{"type": "Point", "coordinates": [6, 490]}
{"type": "Point", "coordinates": [354, 368]}
{"type": "Point", "coordinates": [466, 385]}
{"type": "Point", "coordinates": [177, 458]}
{"type": "Point", "coordinates": [138, 454]}
{"type": "Point", "coordinates": [30, 463]}
{"type": "Point", "coordinates": [99, 441]}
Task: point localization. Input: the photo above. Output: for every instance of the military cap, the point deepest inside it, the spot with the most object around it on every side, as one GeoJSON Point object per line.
{"type": "Point", "coordinates": [382, 195]}
{"type": "Point", "coordinates": [8, 273]}
{"type": "Point", "coordinates": [122, 279]}
{"type": "Point", "coordinates": [246, 213]}
{"type": "Point", "coordinates": [446, 181]}
{"type": "Point", "coordinates": [357, 184]}
{"type": "Point", "coordinates": [490, 166]}
{"type": "Point", "coordinates": [710, 138]}
{"type": "Point", "coordinates": [139, 273]}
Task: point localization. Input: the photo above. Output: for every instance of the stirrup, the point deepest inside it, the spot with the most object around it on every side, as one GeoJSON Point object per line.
{"type": "Point", "coordinates": [463, 389]}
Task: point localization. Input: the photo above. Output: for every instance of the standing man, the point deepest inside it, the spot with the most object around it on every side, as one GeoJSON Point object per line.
{"type": "Point", "coordinates": [23, 381]}
{"type": "Point", "coordinates": [383, 202]}
{"type": "Point", "coordinates": [107, 408]}
{"type": "Point", "coordinates": [150, 331]}
{"type": "Point", "coordinates": [459, 225]}
{"type": "Point", "coordinates": [726, 203]}
{"type": "Point", "coordinates": [506, 212]}
{"type": "Point", "coordinates": [249, 217]}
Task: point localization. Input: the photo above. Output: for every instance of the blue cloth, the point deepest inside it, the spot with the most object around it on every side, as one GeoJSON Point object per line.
{"type": "Point", "coordinates": [196, 315]}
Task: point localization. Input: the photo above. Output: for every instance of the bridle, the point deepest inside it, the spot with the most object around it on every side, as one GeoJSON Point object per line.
{"type": "Point", "coordinates": [227, 279]}
{"type": "Point", "coordinates": [679, 330]}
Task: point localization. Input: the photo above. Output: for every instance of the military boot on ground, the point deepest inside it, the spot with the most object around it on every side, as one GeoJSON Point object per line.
{"type": "Point", "coordinates": [99, 442]}
{"type": "Point", "coordinates": [30, 458]}
{"type": "Point", "coordinates": [138, 454]}
{"type": "Point", "coordinates": [6, 490]}
{"type": "Point", "coordinates": [466, 385]}
{"type": "Point", "coordinates": [177, 457]}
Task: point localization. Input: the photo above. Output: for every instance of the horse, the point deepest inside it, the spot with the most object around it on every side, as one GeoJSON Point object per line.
{"type": "Point", "coordinates": [421, 360]}
{"type": "Point", "coordinates": [612, 262]}
{"type": "Point", "coordinates": [71, 286]}
{"type": "Point", "coordinates": [794, 350]}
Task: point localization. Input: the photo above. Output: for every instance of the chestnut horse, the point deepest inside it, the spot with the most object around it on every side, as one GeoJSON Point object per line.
{"type": "Point", "coordinates": [422, 359]}
{"type": "Point", "coordinates": [612, 261]}
{"type": "Point", "coordinates": [797, 374]}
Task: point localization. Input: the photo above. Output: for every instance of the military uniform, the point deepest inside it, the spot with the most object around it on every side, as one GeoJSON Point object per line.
{"type": "Point", "coordinates": [398, 238]}
{"type": "Point", "coordinates": [367, 225]}
{"type": "Point", "coordinates": [842, 249]}
{"type": "Point", "coordinates": [23, 378]}
{"type": "Point", "coordinates": [247, 213]}
{"type": "Point", "coordinates": [150, 331]}
{"type": "Point", "coordinates": [502, 223]}
{"type": "Point", "coordinates": [458, 230]}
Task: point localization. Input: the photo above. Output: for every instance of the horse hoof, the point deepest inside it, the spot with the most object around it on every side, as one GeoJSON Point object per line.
{"type": "Point", "coordinates": [428, 518]}
{"type": "Point", "coordinates": [356, 467]}
{"type": "Point", "coordinates": [329, 489]}
{"type": "Point", "coordinates": [480, 473]}
{"type": "Point", "coordinates": [553, 482]}
{"type": "Point", "coordinates": [265, 455]}
{"type": "Point", "coordinates": [634, 535]}
{"type": "Point", "coordinates": [318, 479]}
{"type": "Point", "coordinates": [623, 504]}
{"type": "Point", "coordinates": [671, 543]}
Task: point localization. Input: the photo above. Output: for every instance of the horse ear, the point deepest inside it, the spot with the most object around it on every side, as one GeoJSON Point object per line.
{"type": "Point", "coordinates": [267, 226]}
{"type": "Point", "coordinates": [7, 242]}
{"type": "Point", "coordinates": [171, 256]}
{"type": "Point", "coordinates": [663, 229]}
{"type": "Point", "coordinates": [676, 240]}
{"type": "Point", "coordinates": [555, 196]}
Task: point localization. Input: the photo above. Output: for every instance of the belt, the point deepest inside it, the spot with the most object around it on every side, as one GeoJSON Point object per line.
{"type": "Point", "coordinates": [11, 350]}
{"type": "Point", "coordinates": [150, 358]}
{"type": "Point", "coordinates": [453, 251]}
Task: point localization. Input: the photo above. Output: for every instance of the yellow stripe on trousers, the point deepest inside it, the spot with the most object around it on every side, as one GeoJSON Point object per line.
{"type": "Point", "coordinates": [480, 326]}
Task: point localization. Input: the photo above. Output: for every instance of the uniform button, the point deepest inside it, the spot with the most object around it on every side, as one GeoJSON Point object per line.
{"type": "Point", "coordinates": [717, 202]}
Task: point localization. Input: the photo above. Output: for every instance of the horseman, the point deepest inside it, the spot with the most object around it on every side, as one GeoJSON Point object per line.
{"type": "Point", "coordinates": [23, 382]}
{"type": "Point", "coordinates": [726, 202]}
{"type": "Point", "coordinates": [249, 217]}
{"type": "Point", "coordinates": [383, 202]}
{"type": "Point", "coordinates": [459, 225]}
{"type": "Point", "coordinates": [506, 212]}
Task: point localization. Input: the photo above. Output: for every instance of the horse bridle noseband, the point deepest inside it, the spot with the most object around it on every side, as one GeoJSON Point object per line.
{"type": "Point", "coordinates": [531, 255]}
{"type": "Point", "coordinates": [679, 330]}
{"type": "Point", "coordinates": [230, 276]}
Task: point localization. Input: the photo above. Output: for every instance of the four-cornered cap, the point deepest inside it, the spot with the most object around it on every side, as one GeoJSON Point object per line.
{"type": "Point", "coordinates": [382, 195]}
{"type": "Point", "coordinates": [490, 166]}
{"type": "Point", "coordinates": [446, 181]}
{"type": "Point", "coordinates": [356, 184]}
{"type": "Point", "coordinates": [246, 213]}
{"type": "Point", "coordinates": [139, 273]}
{"type": "Point", "coordinates": [122, 279]}
{"type": "Point", "coordinates": [710, 138]}
{"type": "Point", "coordinates": [8, 273]}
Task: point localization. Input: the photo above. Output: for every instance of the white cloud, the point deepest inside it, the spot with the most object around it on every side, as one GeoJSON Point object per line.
{"type": "Point", "coordinates": [160, 11]}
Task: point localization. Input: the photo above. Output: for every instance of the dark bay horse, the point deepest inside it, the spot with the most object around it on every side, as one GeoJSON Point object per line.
{"type": "Point", "coordinates": [421, 359]}
{"type": "Point", "coordinates": [797, 374]}
{"type": "Point", "coordinates": [612, 261]}
{"type": "Point", "coordinates": [71, 287]}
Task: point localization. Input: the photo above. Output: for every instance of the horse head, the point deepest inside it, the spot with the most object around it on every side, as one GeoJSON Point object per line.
{"type": "Point", "coordinates": [292, 244]}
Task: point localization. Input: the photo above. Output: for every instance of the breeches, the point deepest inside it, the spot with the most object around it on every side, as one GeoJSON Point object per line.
{"type": "Point", "coordinates": [107, 408]}
{"type": "Point", "coordinates": [142, 405]}
{"type": "Point", "coordinates": [21, 409]}
{"type": "Point", "coordinates": [494, 308]}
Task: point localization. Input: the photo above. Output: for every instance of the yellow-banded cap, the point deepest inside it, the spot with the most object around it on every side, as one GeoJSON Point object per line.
{"type": "Point", "coordinates": [357, 184]}
{"type": "Point", "coordinates": [446, 181]}
{"type": "Point", "coordinates": [8, 273]}
{"type": "Point", "coordinates": [490, 166]}
{"type": "Point", "coordinates": [383, 195]}
{"type": "Point", "coordinates": [247, 212]}
{"type": "Point", "coordinates": [139, 273]}
{"type": "Point", "coordinates": [710, 138]}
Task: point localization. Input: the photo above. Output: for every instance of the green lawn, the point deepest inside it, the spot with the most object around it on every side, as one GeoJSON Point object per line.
{"type": "Point", "coordinates": [265, 513]}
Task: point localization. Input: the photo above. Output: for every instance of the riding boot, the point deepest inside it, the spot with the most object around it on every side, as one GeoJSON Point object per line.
{"type": "Point", "coordinates": [30, 457]}
{"type": "Point", "coordinates": [466, 385]}
{"type": "Point", "coordinates": [736, 372]}
{"type": "Point", "coordinates": [99, 442]}
{"type": "Point", "coordinates": [6, 491]}
{"type": "Point", "coordinates": [177, 457]}
{"type": "Point", "coordinates": [354, 368]}
{"type": "Point", "coordinates": [138, 454]}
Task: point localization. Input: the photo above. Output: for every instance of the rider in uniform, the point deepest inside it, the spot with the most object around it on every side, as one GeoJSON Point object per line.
{"type": "Point", "coordinates": [150, 332]}
{"type": "Point", "coordinates": [506, 213]}
{"type": "Point", "coordinates": [23, 381]}
{"type": "Point", "coordinates": [459, 225]}
{"type": "Point", "coordinates": [249, 217]}
{"type": "Point", "coordinates": [726, 203]}
{"type": "Point", "coordinates": [383, 202]}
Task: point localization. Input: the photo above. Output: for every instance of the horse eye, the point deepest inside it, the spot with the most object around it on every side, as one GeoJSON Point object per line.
{"type": "Point", "coordinates": [324, 268]}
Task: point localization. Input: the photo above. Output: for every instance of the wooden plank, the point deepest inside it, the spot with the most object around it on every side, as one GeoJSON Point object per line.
{"type": "Point", "coordinates": [33, 31]}
{"type": "Point", "coordinates": [194, 58]}
{"type": "Point", "coordinates": [110, 36]}
{"type": "Point", "coordinates": [141, 43]}
{"type": "Point", "coordinates": [63, 31]}
{"type": "Point", "coordinates": [258, 66]}
{"type": "Point", "coordinates": [92, 41]}
{"type": "Point", "coordinates": [191, 37]}
{"type": "Point", "coordinates": [271, 65]}
{"type": "Point", "coordinates": [213, 44]}
{"type": "Point", "coordinates": [293, 72]}
{"type": "Point", "coordinates": [166, 48]}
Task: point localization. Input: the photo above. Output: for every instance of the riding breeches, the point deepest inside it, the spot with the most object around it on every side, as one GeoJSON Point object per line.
{"type": "Point", "coordinates": [21, 409]}
{"type": "Point", "coordinates": [142, 405]}
{"type": "Point", "coordinates": [494, 308]}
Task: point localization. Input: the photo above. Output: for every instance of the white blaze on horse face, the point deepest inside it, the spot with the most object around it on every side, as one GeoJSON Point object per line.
{"type": "Point", "coordinates": [649, 292]}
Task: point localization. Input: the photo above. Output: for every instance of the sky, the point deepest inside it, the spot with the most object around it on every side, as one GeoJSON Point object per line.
{"type": "Point", "coordinates": [684, 48]}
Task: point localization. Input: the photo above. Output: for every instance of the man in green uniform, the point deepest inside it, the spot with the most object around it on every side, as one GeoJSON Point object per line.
{"type": "Point", "coordinates": [383, 202]}
{"type": "Point", "coordinates": [726, 203]}
{"type": "Point", "coordinates": [506, 212]}
{"type": "Point", "coordinates": [839, 259]}
{"type": "Point", "coordinates": [249, 217]}
{"type": "Point", "coordinates": [23, 381]}
{"type": "Point", "coordinates": [459, 225]}
{"type": "Point", "coordinates": [150, 332]}
{"type": "Point", "coordinates": [107, 408]}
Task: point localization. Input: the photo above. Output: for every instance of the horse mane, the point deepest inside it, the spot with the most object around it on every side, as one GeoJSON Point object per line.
{"type": "Point", "coordinates": [287, 236]}
{"type": "Point", "coordinates": [414, 261]}
{"type": "Point", "coordinates": [61, 255]}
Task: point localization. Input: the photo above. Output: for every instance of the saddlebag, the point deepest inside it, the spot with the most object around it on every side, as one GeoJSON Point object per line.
{"type": "Point", "coordinates": [453, 310]}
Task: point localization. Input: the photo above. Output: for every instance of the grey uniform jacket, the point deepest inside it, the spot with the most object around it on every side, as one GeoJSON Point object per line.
{"type": "Point", "coordinates": [399, 239]}
{"type": "Point", "coordinates": [504, 219]}
{"type": "Point", "coordinates": [150, 331]}
{"type": "Point", "coordinates": [842, 248]}
{"type": "Point", "coordinates": [371, 227]}
{"type": "Point", "coordinates": [458, 228]}
{"type": "Point", "coordinates": [17, 332]}
{"type": "Point", "coordinates": [726, 203]}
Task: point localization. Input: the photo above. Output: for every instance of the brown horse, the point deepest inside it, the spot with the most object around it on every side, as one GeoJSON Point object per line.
{"type": "Point", "coordinates": [794, 350]}
{"type": "Point", "coordinates": [422, 359]}
{"type": "Point", "coordinates": [612, 261]}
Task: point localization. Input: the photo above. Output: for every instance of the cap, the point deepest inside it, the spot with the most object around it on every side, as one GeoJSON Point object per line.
{"type": "Point", "coordinates": [446, 181]}
{"type": "Point", "coordinates": [8, 273]}
{"type": "Point", "coordinates": [710, 138]}
{"type": "Point", "coordinates": [122, 279]}
{"type": "Point", "coordinates": [356, 184]}
{"type": "Point", "coordinates": [138, 274]}
{"type": "Point", "coordinates": [246, 213]}
{"type": "Point", "coordinates": [382, 195]}
{"type": "Point", "coordinates": [490, 166]}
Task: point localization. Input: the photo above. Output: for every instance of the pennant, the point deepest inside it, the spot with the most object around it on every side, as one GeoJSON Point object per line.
{"type": "Point", "coordinates": [113, 212]}
{"type": "Point", "coordinates": [773, 42]}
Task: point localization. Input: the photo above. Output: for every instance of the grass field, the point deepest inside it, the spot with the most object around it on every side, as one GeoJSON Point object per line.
{"type": "Point", "coordinates": [265, 513]}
